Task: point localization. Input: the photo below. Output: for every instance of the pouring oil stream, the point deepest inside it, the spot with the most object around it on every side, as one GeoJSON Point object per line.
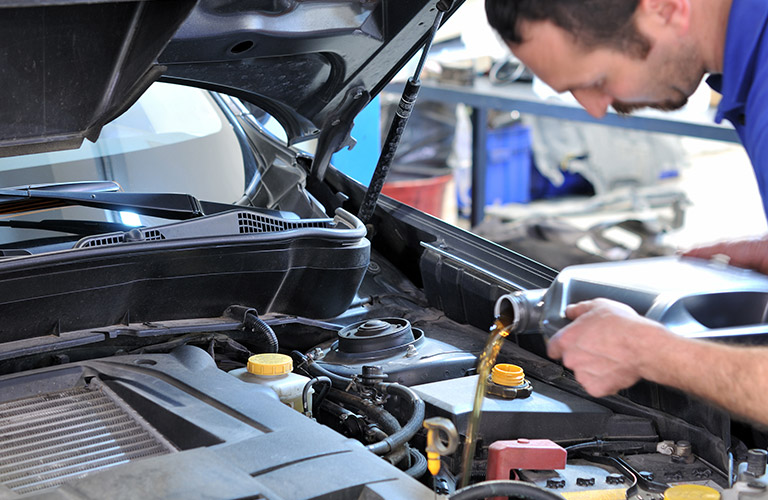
{"type": "Point", "coordinates": [498, 332]}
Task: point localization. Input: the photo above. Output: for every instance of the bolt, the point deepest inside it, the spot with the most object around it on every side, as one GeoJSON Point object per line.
{"type": "Point", "coordinates": [756, 462]}
{"type": "Point", "coordinates": [316, 353]}
{"type": "Point", "coordinates": [585, 481]}
{"type": "Point", "coordinates": [614, 479]}
{"type": "Point", "coordinates": [441, 486]}
{"type": "Point", "coordinates": [555, 483]}
{"type": "Point", "coordinates": [683, 449]}
{"type": "Point", "coordinates": [411, 351]}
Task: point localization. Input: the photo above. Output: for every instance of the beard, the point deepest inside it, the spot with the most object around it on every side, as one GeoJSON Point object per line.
{"type": "Point", "coordinates": [680, 72]}
{"type": "Point", "coordinates": [626, 108]}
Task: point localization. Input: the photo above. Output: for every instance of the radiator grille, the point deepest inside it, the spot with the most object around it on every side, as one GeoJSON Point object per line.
{"type": "Point", "coordinates": [53, 438]}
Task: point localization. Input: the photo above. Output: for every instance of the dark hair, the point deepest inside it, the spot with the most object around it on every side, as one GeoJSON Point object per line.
{"type": "Point", "coordinates": [594, 23]}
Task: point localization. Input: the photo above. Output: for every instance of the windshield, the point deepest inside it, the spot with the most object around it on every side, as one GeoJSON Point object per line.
{"type": "Point", "coordinates": [174, 139]}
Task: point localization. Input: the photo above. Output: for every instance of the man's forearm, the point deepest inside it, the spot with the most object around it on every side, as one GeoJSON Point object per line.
{"type": "Point", "coordinates": [733, 377]}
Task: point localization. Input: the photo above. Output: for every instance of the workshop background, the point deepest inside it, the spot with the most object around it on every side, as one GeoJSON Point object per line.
{"type": "Point", "coordinates": [564, 191]}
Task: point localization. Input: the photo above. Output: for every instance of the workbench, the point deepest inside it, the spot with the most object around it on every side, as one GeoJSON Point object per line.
{"type": "Point", "coordinates": [482, 96]}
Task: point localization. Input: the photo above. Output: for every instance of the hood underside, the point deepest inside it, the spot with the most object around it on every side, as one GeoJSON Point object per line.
{"type": "Point", "coordinates": [311, 64]}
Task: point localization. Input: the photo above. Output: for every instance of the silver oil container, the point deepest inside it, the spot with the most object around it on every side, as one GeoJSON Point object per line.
{"type": "Point", "coordinates": [692, 297]}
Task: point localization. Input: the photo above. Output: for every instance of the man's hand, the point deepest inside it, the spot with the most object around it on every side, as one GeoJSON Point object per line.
{"type": "Point", "coordinates": [606, 345]}
{"type": "Point", "coordinates": [749, 254]}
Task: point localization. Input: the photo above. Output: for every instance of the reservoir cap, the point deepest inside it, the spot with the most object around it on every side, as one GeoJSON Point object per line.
{"type": "Point", "coordinates": [270, 364]}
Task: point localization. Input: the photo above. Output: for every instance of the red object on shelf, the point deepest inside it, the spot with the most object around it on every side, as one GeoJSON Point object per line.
{"type": "Point", "coordinates": [427, 194]}
{"type": "Point", "coordinates": [529, 454]}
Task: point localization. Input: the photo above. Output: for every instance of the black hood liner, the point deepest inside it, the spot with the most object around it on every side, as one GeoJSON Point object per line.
{"type": "Point", "coordinates": [67, 68]}
{"type": "Point", "coordinates": [298, 60]}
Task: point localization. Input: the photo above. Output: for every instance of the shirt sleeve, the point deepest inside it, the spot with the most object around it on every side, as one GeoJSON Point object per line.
{"type": "Point", "coordinates": [755, 129]}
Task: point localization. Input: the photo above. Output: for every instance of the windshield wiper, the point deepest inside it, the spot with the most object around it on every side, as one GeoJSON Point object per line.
{"type": "Point", "coordinates": [105, 195]}
{"type": "Point", "coordinates": [165, 205]}
{"type": "Point", "coordinates": [76, 227]}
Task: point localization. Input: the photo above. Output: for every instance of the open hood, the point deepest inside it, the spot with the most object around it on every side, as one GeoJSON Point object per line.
{"type": "Point", "coordinates": [311, 64]}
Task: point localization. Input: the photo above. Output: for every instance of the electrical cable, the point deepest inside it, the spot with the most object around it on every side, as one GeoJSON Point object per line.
{"type": "Point", "coordinates": [504, 488]}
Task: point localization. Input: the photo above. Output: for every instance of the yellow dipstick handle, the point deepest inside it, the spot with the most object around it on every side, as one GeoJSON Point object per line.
{"type": "Point", "coordinates": [433, 462]}
{"type": "Point", "coordinates": [442, 439]}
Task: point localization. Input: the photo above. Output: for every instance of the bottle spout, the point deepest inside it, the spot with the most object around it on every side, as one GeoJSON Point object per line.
{"type": "Point", "coordinates": [521, 312]}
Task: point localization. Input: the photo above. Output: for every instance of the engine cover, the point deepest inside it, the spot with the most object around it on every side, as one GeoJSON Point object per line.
{"type": "Point", "coordinates": [173, 426]}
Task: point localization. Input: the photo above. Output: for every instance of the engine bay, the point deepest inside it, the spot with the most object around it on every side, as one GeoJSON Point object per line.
{"type": "Point", "coordinates": [151, 411]}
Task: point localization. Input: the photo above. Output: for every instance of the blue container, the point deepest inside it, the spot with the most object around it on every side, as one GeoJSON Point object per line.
{"type": "Point", "coordinates": [508, 165]}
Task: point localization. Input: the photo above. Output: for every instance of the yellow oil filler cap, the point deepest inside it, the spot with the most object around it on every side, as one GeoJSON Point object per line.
{"type": "Point", "coordinates": [270, 364]}
{"type": "Point", "coordinates": [691, 492]}
{"type": "Point", "coordinates": [507, 375]}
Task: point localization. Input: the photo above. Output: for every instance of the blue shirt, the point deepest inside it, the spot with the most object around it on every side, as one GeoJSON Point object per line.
{"type": "Point", "coordinates": [744, 83]}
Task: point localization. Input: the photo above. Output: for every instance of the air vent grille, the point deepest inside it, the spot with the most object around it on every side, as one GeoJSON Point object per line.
{"type": "Point", "coordinates": [228, 223]}
{"type": "Point", "coordinates": [152, 235]}
{"type": "Point", "coordinates": [53, 438]}
{"type": "Point", "coordinates": [100, 241]}
{"type": "Point", "coordinates": [255, 223]}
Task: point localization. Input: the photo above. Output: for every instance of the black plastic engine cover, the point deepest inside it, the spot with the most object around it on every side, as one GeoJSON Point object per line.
{"type": "Point", "coordinates": [228, 439]}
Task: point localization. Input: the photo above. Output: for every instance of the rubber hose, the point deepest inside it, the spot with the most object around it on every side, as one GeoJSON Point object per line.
{"type": "Point", "coordinates": [419, 466]}
{"type": "Point", "coordinates": [252, 322]}
{"type": "Point", "coordinates": [387, 424]}
{"type": "Point", "coordinates": [411, 427]}
{"type": "Point", "coordinates": [318, 371]}
{"type": "Point", "coordinates": [259, 327]}
{"type": "Point", "coordinates": [319, 395]}
{"type": "Point", "coordinates": [397, 456]}
{"type": "Point", "coordinates": [380, 416]}
{"type": "Point", "coordinates": [504, 488]}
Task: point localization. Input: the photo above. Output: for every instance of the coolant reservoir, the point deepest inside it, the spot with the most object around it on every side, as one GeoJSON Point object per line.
{"type": "Point", "coordinates": [692, 297]}
{"type": "Point", "coordinates": [275, 371]}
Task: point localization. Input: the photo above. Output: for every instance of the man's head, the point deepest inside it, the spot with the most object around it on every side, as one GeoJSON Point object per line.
{"type": "Point", "coordinates": [629, 54]}
{"type": "Point", "coordinates": [594, 23]}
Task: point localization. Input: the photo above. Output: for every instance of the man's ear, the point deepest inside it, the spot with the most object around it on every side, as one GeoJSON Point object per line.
{"type": "Point", "coordinates": [664, 14]}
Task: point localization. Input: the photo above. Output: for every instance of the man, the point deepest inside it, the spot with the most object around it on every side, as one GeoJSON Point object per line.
{"type": "Point", "coordinates": [631, 54]}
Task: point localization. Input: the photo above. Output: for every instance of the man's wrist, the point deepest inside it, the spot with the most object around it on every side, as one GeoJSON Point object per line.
{"type": "Point", "coordinates": [660, 355]}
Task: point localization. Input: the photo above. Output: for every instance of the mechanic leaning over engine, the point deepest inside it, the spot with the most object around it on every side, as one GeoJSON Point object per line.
{"type": "Point", "coordinates": [632, 54]}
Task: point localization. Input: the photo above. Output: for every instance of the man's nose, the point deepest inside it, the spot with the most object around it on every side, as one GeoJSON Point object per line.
{"type": "Point", "coordinates": [595, 102]}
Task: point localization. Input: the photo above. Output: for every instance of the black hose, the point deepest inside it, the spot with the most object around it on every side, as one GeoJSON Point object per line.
{"type": "Point", "coordinates": [249, 317]}
{"type": "Point", "coordinates": [419, 465]}
{"type": "Point", "coordinates": [319, 395]}
{"type": "Point", "coordinates": [411, 427]}
{"type": "Point", "coordinates": [316, 370]}
{"type": "Point", "coordinates": [397, 456]}
{"type": "Point", "coordinates": [378, 415]}
{"type": "Point", "coordinates": [400, 436]}
{"type": "Point", "coordinates": [504, 488]}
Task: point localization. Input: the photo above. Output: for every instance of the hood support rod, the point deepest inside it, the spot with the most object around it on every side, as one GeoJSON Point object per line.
{"type": "Point", "coordinates": [399, 121]}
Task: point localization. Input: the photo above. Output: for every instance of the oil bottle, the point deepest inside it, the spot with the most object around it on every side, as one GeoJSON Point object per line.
{"type": "Point", "coordinates": [687, 295]}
